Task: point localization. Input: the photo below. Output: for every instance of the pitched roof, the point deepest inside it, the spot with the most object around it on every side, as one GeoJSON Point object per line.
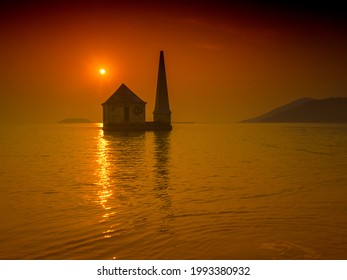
{"type": "Point", "coordinates": [124, 95]}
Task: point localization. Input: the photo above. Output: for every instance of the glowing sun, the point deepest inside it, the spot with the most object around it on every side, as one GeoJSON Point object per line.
{"type": "Point", "coordinates": [102, 71]}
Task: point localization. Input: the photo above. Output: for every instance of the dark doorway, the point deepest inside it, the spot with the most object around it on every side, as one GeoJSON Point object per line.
{"type": "Point", "coordinates": [126, 114]}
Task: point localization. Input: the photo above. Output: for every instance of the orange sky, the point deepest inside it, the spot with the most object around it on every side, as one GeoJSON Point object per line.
{"type": "Point", "coordinates": [224, 62]}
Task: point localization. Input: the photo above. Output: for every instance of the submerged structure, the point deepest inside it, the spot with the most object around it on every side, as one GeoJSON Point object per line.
{"type": "Point", "coordinates": [124, 110]}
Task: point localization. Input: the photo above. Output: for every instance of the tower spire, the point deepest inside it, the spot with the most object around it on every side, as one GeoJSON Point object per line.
{"type": "Point", "coordinates": [162, 111]}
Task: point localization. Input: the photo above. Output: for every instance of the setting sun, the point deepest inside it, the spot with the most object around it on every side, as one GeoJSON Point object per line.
{"type": "Point", "coordinates": [102, 71]}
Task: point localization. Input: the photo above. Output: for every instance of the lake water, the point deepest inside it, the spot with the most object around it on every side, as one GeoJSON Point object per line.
{"type": "Point", "coordinates": [202, 191]}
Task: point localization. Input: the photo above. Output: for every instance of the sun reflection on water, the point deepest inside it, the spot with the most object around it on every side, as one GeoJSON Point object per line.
{"type": "Point", "coordinates": [120, 162]}
{"type": "Point", "coordinates": [133, 181]}
{"type": "Point", "coordinates": [106, 192]}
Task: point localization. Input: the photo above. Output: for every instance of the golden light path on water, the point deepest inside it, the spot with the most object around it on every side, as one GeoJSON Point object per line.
{"type": "Point", "coordinates": [105, 191]}
{"type": "Point", "coordinates": [133, 178]}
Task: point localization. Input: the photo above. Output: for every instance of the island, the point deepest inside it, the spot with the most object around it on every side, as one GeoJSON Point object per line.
{"type": "Point", "coordinates": [307, 110]}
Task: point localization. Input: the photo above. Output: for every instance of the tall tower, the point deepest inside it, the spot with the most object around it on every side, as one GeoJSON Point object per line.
{"type": "Point", "coordinates": [162, 113]}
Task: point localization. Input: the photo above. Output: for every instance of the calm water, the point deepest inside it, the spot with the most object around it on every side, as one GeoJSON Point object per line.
{"type": "Point", "coordinates": [202, 191]}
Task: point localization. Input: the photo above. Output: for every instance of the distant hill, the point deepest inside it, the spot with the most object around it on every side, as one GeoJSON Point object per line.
{"type": "Point", "coordinates": [308, 110]}
{"type": "Point", "coordinates": [75, 120]}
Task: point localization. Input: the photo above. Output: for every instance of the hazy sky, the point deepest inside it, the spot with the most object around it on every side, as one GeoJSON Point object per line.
{"type": "Point", "coordinates": [224, 62]}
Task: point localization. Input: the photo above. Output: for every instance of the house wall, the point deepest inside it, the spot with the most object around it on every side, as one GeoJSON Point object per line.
{"type": "Point", "coordinates": [116, 113]}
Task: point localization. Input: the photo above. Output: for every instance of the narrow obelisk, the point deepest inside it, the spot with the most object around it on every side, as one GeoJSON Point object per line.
{"type": "Point", "coordinates": [162, 113]}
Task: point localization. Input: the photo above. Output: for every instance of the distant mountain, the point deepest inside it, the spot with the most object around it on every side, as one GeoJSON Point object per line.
{"type": "Point", "coordinates": [306, 110]}
{"type": "Point", "coordinates": [75, 120]}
